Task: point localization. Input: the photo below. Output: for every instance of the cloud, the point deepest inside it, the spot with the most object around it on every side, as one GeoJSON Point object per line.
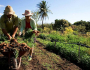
{"type": "Point", "coordinates": [2, 6]}
{"type": "Point", "coordinates": [1, 14]}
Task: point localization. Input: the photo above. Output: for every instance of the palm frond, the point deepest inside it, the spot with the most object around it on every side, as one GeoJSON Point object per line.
{"type": "Point", "coordinates": [43, 10]}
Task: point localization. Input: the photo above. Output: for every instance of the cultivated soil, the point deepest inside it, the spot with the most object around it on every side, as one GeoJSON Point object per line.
{"type": "Point", "coordinates": [41, 60]}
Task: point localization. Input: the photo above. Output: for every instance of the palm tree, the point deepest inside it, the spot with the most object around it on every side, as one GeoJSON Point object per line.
{"type": "Point", "coordinates": [43, 10]}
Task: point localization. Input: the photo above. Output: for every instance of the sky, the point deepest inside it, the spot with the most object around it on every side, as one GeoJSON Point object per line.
{"type": "Point", "coordinates": [71, 10]}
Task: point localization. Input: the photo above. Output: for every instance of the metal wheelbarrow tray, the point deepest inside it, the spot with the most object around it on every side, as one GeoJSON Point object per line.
{"type": "Point", "coordinates": [10, 53]}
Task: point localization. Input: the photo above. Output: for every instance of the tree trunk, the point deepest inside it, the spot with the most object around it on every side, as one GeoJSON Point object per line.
{"type": "Point", "coordinates": [42, 23]}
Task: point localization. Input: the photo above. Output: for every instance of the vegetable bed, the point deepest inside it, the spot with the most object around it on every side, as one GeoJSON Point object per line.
{"type": "Point", "coordinates": [70, 51]}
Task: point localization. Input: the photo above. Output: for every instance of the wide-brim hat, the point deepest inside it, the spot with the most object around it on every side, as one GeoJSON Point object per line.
{"type": "Point", "coordinates": [8, 10]}
{"type": "Point", "coordinates": [27, 13]}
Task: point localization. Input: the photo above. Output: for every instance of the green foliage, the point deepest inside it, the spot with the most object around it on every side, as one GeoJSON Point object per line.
{"type": "Point", "coordinates": [42, 36]}
{"type": "Point", "coordinates": [61, 23]}
{"type": "Point", "coordinates": [28, 38]}
{"type": "Point", "coordinates": [43, 10]}
{"type": "Point", "coordinates": [57, 37]}
{"type": "Point", "coordinates": [3, 38]}
{"type": "Point", "coordinates": [47, 25]}
{"type": "Point", "coordinates": [29, 34]}
{"type": "Point", "coordinates": [1, 31]}
{"type": "Point", "coordinates": [70, 52]}
{"type": "Point", "coordinates": [39, 29]}
{"type": "Point", "coordinates": [69, 38]}
{"type": "Point", "coordinates": [68, 30]}
{"type": "Point", "coordinates": [43, 41]}
{"type": "Point", "coordinates": [83, 26]}
{"type": "Point", "coordinates": [80, 23]}
{"type": "Point", "coordinates": [30, 44]}
{"type": "Point", "coordinates": [20, 41]}
{"type": "Point", "coordinates": [85, 61]}
{"type": "Point", "coordinates": [75, 32]}
{"type": "Point", "coordinates": [46, 30]}
{"type": "Point", "coordinates": [16, 53]}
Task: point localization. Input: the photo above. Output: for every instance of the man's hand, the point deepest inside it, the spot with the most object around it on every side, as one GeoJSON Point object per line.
{"type": "Point", "coordinates": [13, 35]}
{"type": "Point", "coordinates": [5, 32]}
{"type": "Point", "coordinates": [36, 32]}
{"type": "Point", "coordinates": [15, 30]}
{"type": "Point", "coordinates": [19, 34]}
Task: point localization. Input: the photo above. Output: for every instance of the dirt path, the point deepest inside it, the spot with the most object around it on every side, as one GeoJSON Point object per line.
{"type": "Point", "coordinates": [42, 60]}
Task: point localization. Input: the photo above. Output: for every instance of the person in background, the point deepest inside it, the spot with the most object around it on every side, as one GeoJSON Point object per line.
{"type": "Point", "coordinates": [27, 23]}
{"type": "Point", "coordinates": [9, 22]}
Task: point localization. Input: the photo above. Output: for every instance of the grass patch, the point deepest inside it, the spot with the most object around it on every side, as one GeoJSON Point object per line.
{"type": "Point", "coordinates": [43, 41]}
{"type": "Point", "coordinates": [25, 63]}
{"type": "Point", "coordinates": [46, 65]}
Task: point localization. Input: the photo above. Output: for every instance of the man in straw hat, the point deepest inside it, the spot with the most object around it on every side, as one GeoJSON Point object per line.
{"type": "Point", "coordinates": [28, 23]}
{"type": "Point", "coordinates": [9, 22]}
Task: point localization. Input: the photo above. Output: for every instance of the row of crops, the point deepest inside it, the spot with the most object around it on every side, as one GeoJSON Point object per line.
{"type": "Point", "coordinates": [73, 52]}
{"type": "Point", "coordinates": [67, 38]}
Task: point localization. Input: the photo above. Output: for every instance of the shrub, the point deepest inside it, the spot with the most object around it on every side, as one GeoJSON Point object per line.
{"type": "Point", "coordinates": [61, 23]}
{"type": "Point", "coordinates": [75, 32]}
{"type": "Point", "coordinates": [68, 30]}
{"type": "Point", "coordinates": [3, 38]}
{"type": "Point", "coordinates": [53, 32]}
{"type": "Point", "coordinates": [88, 33]}
{"type": "Point", "coordinates": [42, 36]}
{"type": "Point", "coordinates": [46, 29]}
{"type": "Point", "coordinates": [39, 29]}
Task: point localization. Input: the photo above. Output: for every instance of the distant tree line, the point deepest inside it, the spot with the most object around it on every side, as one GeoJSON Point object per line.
{"type": "Point", "coordinates": [80, 26]}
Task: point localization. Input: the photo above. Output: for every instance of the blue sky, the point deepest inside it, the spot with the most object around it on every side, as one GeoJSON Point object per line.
{"type": "Point", "coordinates": [71, 10]}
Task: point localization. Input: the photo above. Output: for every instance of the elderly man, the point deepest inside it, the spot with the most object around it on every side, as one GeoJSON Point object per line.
{"type": "Point", "coordinates": [9, 22]}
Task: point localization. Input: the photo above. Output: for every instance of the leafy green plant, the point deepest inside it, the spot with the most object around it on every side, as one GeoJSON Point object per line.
{"type": "Point", "coordinates": [29, 34]}
{"type": "Point", "coordinates": [39, 29]}
{"type": "Point", "coordinates": [16, 52]}
{"type": "Point", "coordinates": [3, 38]}
{"type": "Point", "coordinates": [42, 36]}
{"type": "Point", "coordinates": [70, 52]}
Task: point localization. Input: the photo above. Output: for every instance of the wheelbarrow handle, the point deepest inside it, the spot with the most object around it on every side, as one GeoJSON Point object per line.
{"type": "Point", "coordinates": [18, 65]}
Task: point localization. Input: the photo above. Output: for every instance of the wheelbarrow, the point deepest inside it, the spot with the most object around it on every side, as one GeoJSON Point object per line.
{"type": "Point", "coordinates": [14, 63]}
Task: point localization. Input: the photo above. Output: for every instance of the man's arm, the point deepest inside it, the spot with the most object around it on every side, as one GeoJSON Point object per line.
{"type": "Point", "coordinates": [35, 28]}
{"type": "Point", "coordinates": [5, 32]}
{"type": "Point", "coordinates": [15, 30]}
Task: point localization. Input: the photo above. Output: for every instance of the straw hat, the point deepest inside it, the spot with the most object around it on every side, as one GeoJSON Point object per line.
{"type": "Point", "coordinates": [8, 10]}
{"type": "Point", "coordinates": [27, 13]}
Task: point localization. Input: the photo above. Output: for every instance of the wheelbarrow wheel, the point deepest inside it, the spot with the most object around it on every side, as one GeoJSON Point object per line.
{"type": "Point", "coordinates": [16, 63]}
